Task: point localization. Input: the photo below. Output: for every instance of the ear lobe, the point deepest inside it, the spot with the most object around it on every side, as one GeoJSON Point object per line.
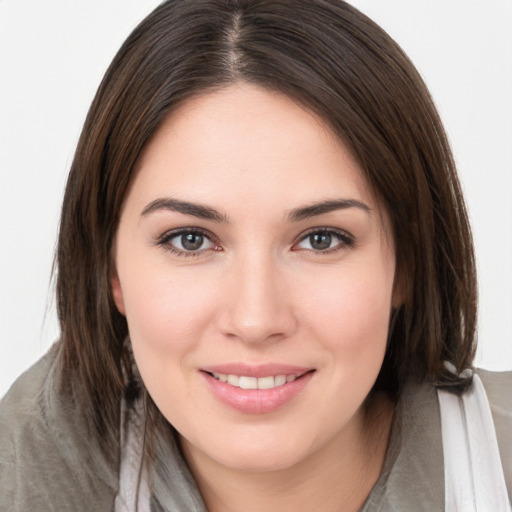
{"type": "Point", "coordinates": [117, 294]}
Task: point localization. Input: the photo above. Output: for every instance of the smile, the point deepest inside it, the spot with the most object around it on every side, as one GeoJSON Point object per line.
{"type": "Point", "coordinates": [257, 389]}
{"type": "Point", "coordinates": [247, 382]}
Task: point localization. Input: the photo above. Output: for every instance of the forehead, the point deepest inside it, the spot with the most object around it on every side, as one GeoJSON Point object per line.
{"type": "Point", "coordinates": [246, 141]}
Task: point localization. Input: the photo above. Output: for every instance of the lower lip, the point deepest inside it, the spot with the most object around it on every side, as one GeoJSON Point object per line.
{"type": "Point", "coordinates": [257, 401]}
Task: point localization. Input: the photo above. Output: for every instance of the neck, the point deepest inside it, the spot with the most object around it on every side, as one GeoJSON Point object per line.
{"type": "Point", "coordinates": [337, 477]}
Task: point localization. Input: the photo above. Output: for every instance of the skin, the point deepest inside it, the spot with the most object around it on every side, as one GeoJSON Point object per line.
{"type": "Point", "coordinates": [259, 289]}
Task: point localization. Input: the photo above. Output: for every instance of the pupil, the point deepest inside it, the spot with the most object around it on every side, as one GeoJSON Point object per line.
{"type": "Point", "coordinates": [191, 241]}
{"type": "Point", "coordinates": [320, 241]}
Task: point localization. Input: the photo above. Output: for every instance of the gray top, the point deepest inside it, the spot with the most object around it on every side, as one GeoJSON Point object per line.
{"type": "Point", "coordinates": [50, 459]}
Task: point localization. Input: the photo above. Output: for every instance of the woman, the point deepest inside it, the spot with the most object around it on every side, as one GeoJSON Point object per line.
{"type": "Point", "coordinates": [265, 271]}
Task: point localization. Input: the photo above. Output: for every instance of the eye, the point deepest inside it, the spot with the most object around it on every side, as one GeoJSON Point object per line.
{"type": "Point", "coordinates": [187, 242]}
{"type": "Point", "coordinates": [324, 240]}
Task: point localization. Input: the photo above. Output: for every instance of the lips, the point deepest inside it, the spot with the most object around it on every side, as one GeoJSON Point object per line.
{"type": "Point", "coordinates": [256, 389]}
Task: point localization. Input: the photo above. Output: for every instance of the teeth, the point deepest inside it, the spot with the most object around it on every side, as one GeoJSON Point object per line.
{"type": "Point", "coordinates": [266, 383]}
{"type": "Point", "coordinates": [248, 382]}
{"type": "Point", "coordinates": [280, 380]}
{"type": "Point", "coordinates": [234, 380]}
{"type": "Point", "coordinates": [245, 382]}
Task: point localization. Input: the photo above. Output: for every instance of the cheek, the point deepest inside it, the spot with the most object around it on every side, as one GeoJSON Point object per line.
{"type": "Point", "coordinates": [352, 311]}
{"type": "Point", "coordinates": [166, 310]}
{"type": "Point", "coordinates": [350, 318]}
{"type": "Point", "coordinates": [168, 314]}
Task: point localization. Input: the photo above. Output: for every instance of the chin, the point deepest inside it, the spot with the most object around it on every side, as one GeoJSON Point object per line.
{"type": "Point", "coordinates": [259, 453]}
{"type": "Point", "coordinates": [259, 461]}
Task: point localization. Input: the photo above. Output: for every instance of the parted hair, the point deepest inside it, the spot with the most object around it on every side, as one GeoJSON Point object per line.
{"type": "Point", "coordinates": [335, 62]}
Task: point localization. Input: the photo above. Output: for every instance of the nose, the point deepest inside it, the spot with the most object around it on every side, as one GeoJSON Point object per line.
{"type": "Point", "coordinates": [257, 306]}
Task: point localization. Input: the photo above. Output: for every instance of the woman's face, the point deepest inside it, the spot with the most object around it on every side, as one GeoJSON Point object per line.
{"type": "Point", "coordinates": [250, 250]}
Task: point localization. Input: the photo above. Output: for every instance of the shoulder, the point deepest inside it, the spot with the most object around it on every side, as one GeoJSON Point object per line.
{"type": "Point", "coordinates": [498, 386]}
{"type": "Point", "coordinates": [25, 393]}
{"type": "Point", "coordinates": [43, 465]}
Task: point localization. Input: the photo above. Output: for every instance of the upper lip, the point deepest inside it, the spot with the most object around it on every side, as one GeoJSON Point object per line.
{"type": "Point", "coordinates": [256, 370]}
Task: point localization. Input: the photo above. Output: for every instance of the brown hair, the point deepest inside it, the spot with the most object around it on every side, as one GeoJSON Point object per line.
{"type": "Point", "coordinates": [334, 61]}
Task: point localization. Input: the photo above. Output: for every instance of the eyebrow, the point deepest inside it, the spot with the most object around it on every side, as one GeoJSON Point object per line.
{"type": "Point", "coordinates": [324, 207]}
{"type": "Point", "coordinates": [197, 210]}
{"type": "Point", "coordinates": [207, 213]}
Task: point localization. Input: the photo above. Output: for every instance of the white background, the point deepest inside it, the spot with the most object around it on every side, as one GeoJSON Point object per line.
{"type": "Point", "coordinates": [53, 54]}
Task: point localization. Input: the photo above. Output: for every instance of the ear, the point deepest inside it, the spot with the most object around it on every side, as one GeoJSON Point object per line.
{"type": "Point", "coordinates": [117, 293]}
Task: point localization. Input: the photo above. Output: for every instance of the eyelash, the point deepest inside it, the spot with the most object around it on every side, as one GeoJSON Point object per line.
{"type": "Point", "coordinates": [165, 242]}
{"type": "Point", "coordinates": [346, 241]}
